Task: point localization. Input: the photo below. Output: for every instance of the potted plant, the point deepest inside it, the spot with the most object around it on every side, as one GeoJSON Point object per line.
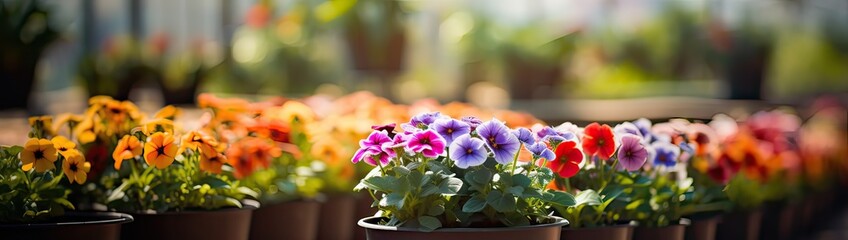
{"type": "Point", "coordinates": [598, 166]}
{"type": "Point", "coordinates": [450, 179]}
{"type": "Point", "coordinates": [267, 152]}
{"type": "Point", "coordinates": [705, 204]}
{"type": "Point", "coordinates": [35, 196]}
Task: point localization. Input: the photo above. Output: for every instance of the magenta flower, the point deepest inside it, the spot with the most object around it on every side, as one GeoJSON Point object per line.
{"type": "Point", "coordinates": [450, 128]}
{"type": "Point", "coordinates": [370, 149]}
{"type": "Point", "coordinates": [632, 155]}
{"type": "Point", "coordinates": [399, 141]}
{"type": "Point", "coordinates": [389, 128]}
{"type": "Point", "coordinates": [427, 142]}
{"type": "Point", "coordinates": [499, 139]}
{"type": "Point", "coordinates": [467, 151]}
{"type": "Point", "coordinates": [524, 135]}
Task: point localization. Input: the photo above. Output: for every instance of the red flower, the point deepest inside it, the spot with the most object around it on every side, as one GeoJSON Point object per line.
{"type": "Point", "coordinates": [598, 141]}
{"type": "Point", "coordinates": [568, 159]}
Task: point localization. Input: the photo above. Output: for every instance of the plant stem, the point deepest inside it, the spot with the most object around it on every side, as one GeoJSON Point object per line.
{"type": "Point", "coordinates": [515, 158]}
{"type": "Point", "coordinates": [568, 184]}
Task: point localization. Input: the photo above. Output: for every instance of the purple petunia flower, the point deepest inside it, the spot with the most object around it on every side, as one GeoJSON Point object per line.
{"type": "Point", "coordinates": [665, 154]}
{"type": "Point", "coordinates": [499, 139]}
{"type": "Point", "coordinates": [524, 135]}
{"type": "Point", "coordinates": [467, 151]}
{"type": "Point", "coordinates": [549, 134]}
{"type": "Point", "coordinates": [427, 142]}
{"type": "Point", "coordinates": [472, 121]}
{"type": "Point", "coordinates": [644, 126]}
{"type": "Point", "coordinates": [632, 155]}
{"type": "Point", "coordinates": [450, 128]}
{"type": "Point", "coordinates": [540, 150]}
{"type": "Point", "coordinates": [424, 119]}
{"type": "Point", "coordinates": [370, 149]}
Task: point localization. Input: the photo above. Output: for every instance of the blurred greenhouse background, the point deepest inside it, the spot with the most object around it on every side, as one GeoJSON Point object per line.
{"type": "Point", "coordinates": [502, 54]}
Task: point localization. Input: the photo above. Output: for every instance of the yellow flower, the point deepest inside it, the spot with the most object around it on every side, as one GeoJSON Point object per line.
{"type": "Point", "coordinates": [66, 118]}
{"type": "Point", "coordinates": [42, 126]}
{"type": "Point", "coordinates": [63, 145]}
{"type": "Point", "coordinates": [38, 153]}
{"type": "Point", "coordinates": [212, 163]}
{"type": "Point", "coordinates": [100, 100]}
{"type": "Point", "coordinates": [160, 150]}
{"type": "Point", "coordinates": [158, 125]}
{"type": "Point", "coordinates": [86, 131]}
{"type": "Point", "coordinates": [75, 167]}
{"type": "Point", "coordinates": [329, 151]}
{"type": "Point", "coordinates": [291, 112]}
{"type": "Point", "coordinates": [167, 112]}
{"type": "Point", "coordinates": [128, 147]}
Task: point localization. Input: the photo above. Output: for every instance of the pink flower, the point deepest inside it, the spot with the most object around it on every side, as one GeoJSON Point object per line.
{"type": "Point", "coordinates": [428, 143]}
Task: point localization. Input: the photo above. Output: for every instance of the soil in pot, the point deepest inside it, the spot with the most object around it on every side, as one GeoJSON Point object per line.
{"type": "Point", "coordinates": [671, 232]}
{"type": "Point", "coordinates": [550, 231]}
{"type": "Point", "coordinates": [293, 220]}
{"type": "Point", "coordinates": [230, 224]}
{"type": "Point", "coordinates": [617, 232]}
{"type": "Point", "coordinates": [337, 219]}
{"type": "Point", "coordinates": [703, 227]}
{"type": "Point", "coordinates": [73, 225]}
{"type": "Point", "coordinates": [740, 225]}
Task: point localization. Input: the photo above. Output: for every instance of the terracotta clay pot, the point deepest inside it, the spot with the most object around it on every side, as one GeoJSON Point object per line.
{"type": "Point", "coordinates": [294, 220]}
{"type": "Point", "coordinates": [231, 223]}
{"type": "Point", "coordinates": [671, 232]}
{"type": "Point", "coordinates": [740, 225]}
{"type": "Point", "coordinates": [550, 231]}
{"type": "Point", "coordinates": [73, 225]}
{"type": "Point", "coordinates": [617, 232]}
{"type": "Point", "coordinates": [337, 219]}
{"type": "Point", "coordinates": [703, 227]}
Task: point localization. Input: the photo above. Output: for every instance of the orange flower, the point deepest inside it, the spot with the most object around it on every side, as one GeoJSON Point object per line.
{"type": "Point", "coordinates": [250, 153]}
{"type": "Point", "coordinates": [329, 151]}
{"type": "Point", "coordinates": [75, 167]}
{"type": "Point", "coordinates": [168, 112]}
{"type": "Point", "coordinates": [63, 145]}
{"type": "Point", "coordinates": [86, 131]}
{"type": "Point", "coordinates": [196, 140]}
{"type": "Point", "coordinates": [43, 123]}
{"type": "Point", "coordinates": [128, 147]}
{"type": "Point", "coordinates": [160, 150]}
{"type": "Point", "coordinates": [39, 154]}
{"type": "Point", "coordinates": [71, 119]}
{"type": "Point", "coordinates": [212, 163]}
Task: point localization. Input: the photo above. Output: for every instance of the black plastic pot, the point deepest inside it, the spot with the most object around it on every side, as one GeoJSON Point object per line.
{"type": "Point", "coordinates": [671, 232]}
{"type": "Point", "coordinates": [337, 220]}
{"type": "Point", "coordinates": [740, 225]}
{"type": "Point", "coordinates": [703, 227]}
{"type": "Point", "coordinates": [231, 224]}
{"type": "Point", "coordinates": [294, 220]}
{"type": "Point", "coordinates": [73, 225]}
{"type": "Point", "coordinates": [617, 232]}
{"type": "Point", "coordinates": [550, 231]}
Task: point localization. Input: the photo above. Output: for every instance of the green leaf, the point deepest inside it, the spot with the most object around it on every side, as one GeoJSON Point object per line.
{"type": "Point", "coordinates": [13, 150]}
{"type": "Point", "coordinates": [233, 202]}
{"type": "Point", "coordinates": [401, 170]}
{"type": "Point", "coordinates": [429, 223]}
{"type": "Point", "coordinates": [375, 172]}
{"type": "Point", "coordinates": [450, 186]}
{"type": "Point", "coordinates": [611, 192]}
{"type": "Point", "coordinates": [502, 202]}
{"type": "Point", "coordinates": [520, 180]}
{"type": "Point", "coordinates": [474, 204]}
{"type": "Point", "coordinates": [383, 184]}
{"type": "Point", "coordinates": [515, 190]}
{"type": "Point", "coordinates": [429, 190]}
{"type": "Point", "coordinates": [395, 199]}
{"type": "Point", "coordinates": [561, 198]}
{"type": "Point", "coordinates": [215, 182]}
{"type": "Point", "coordinates": [436, 210]}
{"type": "Point", "coordinates": [587, 197]}
{"type": "Point", "coordinates": [479, 178]}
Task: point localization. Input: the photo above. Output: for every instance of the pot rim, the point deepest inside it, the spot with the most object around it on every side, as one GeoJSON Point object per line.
{"type": "Point", "coordinates": [113, 218]}
{"type": "Point", "coordinates": [246, 206]}
{"type": "Point", "coordinates": [631, 224]}
{"type": "Point", "coordinates": [682, 222]}
{"type": "Point", "coordinates": [364, 222]}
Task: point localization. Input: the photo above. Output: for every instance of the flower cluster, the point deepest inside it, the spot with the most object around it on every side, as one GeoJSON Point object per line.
{"type": "Point", "coordinates": [460, 168]}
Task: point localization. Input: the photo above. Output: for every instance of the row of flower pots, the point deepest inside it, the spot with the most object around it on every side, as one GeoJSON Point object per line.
{"type": "Point", "coordinates": [242, 169]}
